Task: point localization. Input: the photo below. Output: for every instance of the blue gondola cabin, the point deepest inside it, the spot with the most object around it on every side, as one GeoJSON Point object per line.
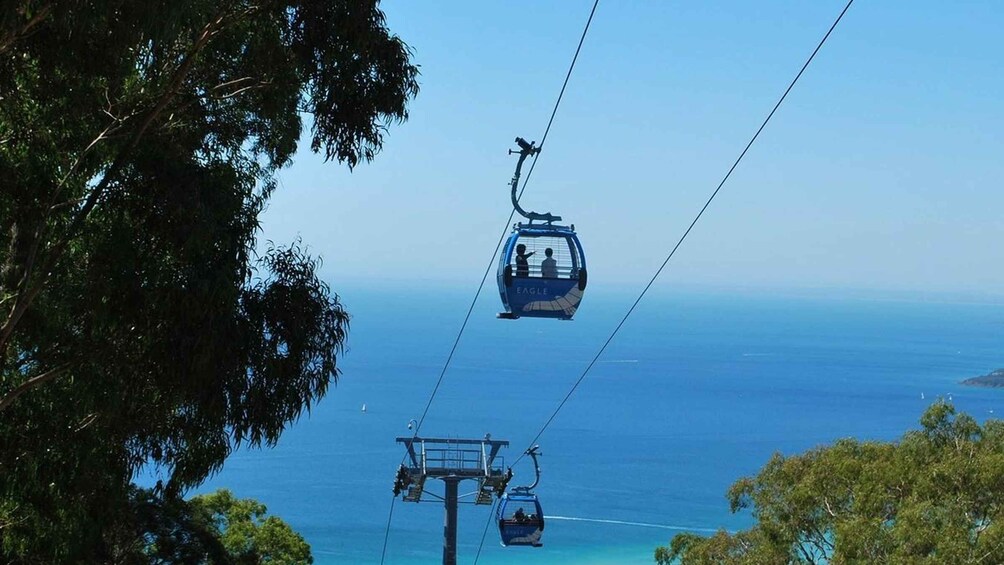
{"type": "Point", "coordinates": [520, 519]}
{"type": "Point", "coordinates": [542, 272]}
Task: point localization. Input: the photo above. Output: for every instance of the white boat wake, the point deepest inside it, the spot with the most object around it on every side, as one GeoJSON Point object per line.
{"type": "Point", "coordinates": [626, 523]}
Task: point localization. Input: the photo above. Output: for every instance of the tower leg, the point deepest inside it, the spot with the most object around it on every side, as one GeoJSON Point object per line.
{"type": "Point", "coordinates": [450, 528]}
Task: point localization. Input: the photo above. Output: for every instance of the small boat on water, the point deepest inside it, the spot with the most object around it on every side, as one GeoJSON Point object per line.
{"type": "Point", "coordinates": [364, 406]}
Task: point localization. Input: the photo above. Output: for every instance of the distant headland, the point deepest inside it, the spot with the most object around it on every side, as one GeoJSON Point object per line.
{"type": "Point", "coordinates": [993, 379]}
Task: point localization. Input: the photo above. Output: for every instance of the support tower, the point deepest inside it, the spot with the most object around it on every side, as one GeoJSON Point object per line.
{"type": "Point", "coordinates": [451, 461]}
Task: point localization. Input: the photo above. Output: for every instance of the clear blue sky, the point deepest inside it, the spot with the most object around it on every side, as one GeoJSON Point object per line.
{"type": "Point", "coordinates": [883, 170]}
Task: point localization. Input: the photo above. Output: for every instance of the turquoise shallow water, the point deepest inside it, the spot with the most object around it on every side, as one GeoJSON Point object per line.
{"type": "Point", "coordinates": [696, 391]}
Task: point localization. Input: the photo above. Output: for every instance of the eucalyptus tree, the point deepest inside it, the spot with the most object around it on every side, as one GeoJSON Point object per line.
{"type": "Point", "coordinates": [215, 528]}
{"type": "Point", "coordinates": [936, 496]}
{"type": "Point", "coordinates": [139, 142]}
{"type": "Point", "coordinates": [248, 534]}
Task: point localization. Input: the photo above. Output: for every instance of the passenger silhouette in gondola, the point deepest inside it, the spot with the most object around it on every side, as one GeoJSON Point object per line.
{"type": "Point", "coordinates": [522, 265]}
{"type": "Point", "coordinates": [520, 516]}
{"type": "Point", "coordinates": [549, 267]}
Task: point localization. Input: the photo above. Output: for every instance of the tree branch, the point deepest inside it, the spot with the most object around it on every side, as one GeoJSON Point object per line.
{"type": "Point", "coordinates": [13, 522]}
{"type": "Point", "coordinates": [242, 90]}
{"type": "Point", "coordinates": [10, 38]}
{"type": "Point", "coordinates": [87, 421]}
{"type": "Point", "coordinates": [826, 504]}
{"type": "Point", "coordinates": [804, 552]}
{"type": "Point", "coordinates": [31, 383]}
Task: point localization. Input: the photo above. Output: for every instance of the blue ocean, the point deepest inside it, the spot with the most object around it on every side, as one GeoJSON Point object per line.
{"type": "Point", "coordinates": [697, 390]}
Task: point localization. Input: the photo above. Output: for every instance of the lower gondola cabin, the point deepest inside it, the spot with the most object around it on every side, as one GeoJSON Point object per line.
{"type": "Point", "coordinates": [520, 519]}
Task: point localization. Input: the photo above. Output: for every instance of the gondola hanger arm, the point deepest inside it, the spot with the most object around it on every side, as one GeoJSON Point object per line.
{"type": "Point", "coordinates": [533, 452]}
{"type": "Point", "coordinates": [525, 150]}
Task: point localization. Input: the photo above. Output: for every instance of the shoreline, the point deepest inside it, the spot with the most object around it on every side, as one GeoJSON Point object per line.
{"type": "Point", "coordinates": [993, 379]}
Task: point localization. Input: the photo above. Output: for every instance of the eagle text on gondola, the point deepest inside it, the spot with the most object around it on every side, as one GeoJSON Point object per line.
{"type": "Point", "coordinates": [522, 290]}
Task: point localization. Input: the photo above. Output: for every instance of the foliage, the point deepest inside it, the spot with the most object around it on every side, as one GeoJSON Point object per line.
{"type": "Point", "coordinates": [138, 145]}
{"type": "Point", "coordinates": [248, 535]}
{"type": "Point", "coordinates": [933, 497]}
{"type": "Point", "coordinates": [214, 529]}
{"type": "Point", "coordinates": [154, 529]}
